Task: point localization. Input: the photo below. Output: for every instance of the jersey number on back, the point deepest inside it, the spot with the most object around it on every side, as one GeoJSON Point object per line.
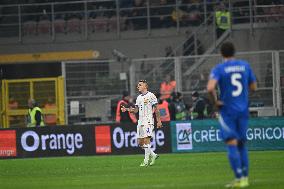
{"type": "Point", "coordinates": [235, 80]}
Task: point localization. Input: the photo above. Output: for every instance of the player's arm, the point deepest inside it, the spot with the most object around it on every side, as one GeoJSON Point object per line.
{"type": "Point", "coordinates": [158, 116]}
{"type": "Point", "coordinates": [211, 88]}
{"type": "Point", "coordinates": [253, 86]}
{"type": "Point", "coordinates": [252, 80]}
{"type": "Point", "coordinates": [133, 110]}
{"type": "Point", "coordinates": [130, 109]}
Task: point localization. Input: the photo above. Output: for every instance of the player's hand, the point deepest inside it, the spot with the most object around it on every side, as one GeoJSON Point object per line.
{"type": "Point", "coordinates": [219, 104]}
{"type": "Point", "coordinates": [131, 110]}
{"type": "Point", "coordinates": [123, 109]}
{"type": "Point", "coordinates": [159, 125]}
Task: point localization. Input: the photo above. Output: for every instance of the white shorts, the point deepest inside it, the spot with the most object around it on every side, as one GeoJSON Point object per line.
{"type": "Point", "coordinates": [144, 131]}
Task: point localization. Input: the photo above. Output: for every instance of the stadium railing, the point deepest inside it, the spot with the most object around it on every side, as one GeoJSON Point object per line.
{"type": "Point", "coordinates": [87, 19]}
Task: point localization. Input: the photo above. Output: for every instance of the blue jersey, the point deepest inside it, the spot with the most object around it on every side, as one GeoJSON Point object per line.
{"type": "Point", "coordinates": [234, 77]}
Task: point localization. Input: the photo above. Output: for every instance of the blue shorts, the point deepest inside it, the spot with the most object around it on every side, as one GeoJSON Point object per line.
{"type": "Point", "coordinates": [233, 126]}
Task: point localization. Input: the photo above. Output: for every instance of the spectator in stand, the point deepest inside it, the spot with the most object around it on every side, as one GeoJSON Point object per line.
{"type": "Point", "coordinates": [163, 108]}
{"type": "Point", "coordinates": [210, 5]}
{"type": "Point", "coordinates": [50, 119]}
{"type": "Point", "coordinates": [193, 13]}
{"type": "Point", "coordinates": [74, 23]}
{"type": "Point", "coordinates": [139, 15]}
{"type": "Point", "coordinates": [167, 87]}
{"type": "Point", "coordinates": [269, 10]}
{"type": "Point", "coordinates": [125, 117]}
{"type": "Point", "coordinates": [178, 109]}
{"type": "Point", "coordinates": [101, 20]}
{"type": "Point", "coordinates": [223, 20]}
{"type": "Point", "coordinates": [241, 12]}
{"type": "Point", "coordinates": [161, 17]}
{"type": "Point", "coordinates": [34, 118]}
{"type": "Point", "coordinates": [178, 15]}
{"type": "Point", "coordinates": [275, 12]}
{"type": "Point", "coordinates": [59, 23]}
{"type": "Point", "coordinates": [44, 25]}
{"type": "Point", "coordinates": [198, 109]}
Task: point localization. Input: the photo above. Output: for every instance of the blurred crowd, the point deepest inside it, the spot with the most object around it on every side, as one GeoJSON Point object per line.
{"type": "Point", "coordinates": [102, 16]}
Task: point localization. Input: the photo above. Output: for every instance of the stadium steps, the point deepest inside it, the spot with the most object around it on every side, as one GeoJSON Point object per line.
{"type": "Point", "coordinates": [167, 66]}
{"type": "Point", "coordinates": [210, 50]}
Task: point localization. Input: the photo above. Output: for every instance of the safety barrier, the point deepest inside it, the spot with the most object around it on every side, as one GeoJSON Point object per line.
{"type": "Point", "coordinates": [119, 139]}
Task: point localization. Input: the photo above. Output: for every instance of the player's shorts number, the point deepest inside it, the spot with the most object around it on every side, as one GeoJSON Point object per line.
{"type": "Point", "coordinates": [235, 82]}
{"type": "Point", "coordinates": [148, 130]}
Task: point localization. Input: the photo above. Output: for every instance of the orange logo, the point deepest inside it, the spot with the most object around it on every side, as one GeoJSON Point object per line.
{"type": "Point", "coordinates": [8, 146]}
{"type": "Point", "coordinates": [103, 140]}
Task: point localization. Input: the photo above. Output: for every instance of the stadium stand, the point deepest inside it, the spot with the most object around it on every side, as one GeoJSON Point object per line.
{"type": "Point", "coordinates": [140, 29]}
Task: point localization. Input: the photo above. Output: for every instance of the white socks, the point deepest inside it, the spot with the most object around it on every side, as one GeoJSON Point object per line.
{"type": "Point", "coordinates": [148, 152]}
{"type": "Point", "coordinates": [152, 153]}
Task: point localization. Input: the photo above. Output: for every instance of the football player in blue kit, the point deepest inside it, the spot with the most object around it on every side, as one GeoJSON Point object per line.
{"type": "Point", "coordinates": [235, 79]}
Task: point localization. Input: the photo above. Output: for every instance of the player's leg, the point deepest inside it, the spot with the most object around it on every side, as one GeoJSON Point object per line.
{"type": "Point", "coordinates": [147, 147]}
{"type": "Point", "coordinates": [145, 161]}
{"type": "Point", "coordinates": [234, 158]}
{"type": "Point", "coordinates": [140, 136]}
{"type": "Point", "coordinates": [242, 129]}
{"type": "Point", "coordinates": [140, 140]}
{"type": "Point", "coordinates": [244, 163]}
{"type": "Point", "coordinates": [148, 131]}
{"type": "Point", "coordinates": [229, 135]}
{"type": "Point", "coordinates": [153, 155]}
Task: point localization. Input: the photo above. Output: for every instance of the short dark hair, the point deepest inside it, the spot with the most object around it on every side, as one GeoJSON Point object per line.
{"type": "Point", "coordinates": [143, 81]}
{"type": "Point", "coordinates": [227, 49]}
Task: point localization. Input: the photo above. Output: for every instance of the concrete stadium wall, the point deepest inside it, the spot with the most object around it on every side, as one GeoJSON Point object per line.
{"type": "Point", "coordinates": [262, 39]}
{"type": "Point", "coordinates": [137, 47]}
{"type": "Point", "coordinates": [134, 44]}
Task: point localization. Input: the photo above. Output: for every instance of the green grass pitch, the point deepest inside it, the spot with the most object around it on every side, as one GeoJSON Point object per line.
{"type": "Point", "coordinates": [190, 170]}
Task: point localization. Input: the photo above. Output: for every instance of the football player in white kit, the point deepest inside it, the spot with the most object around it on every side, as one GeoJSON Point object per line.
{"type": "Point", "coordinates": [146, 105]}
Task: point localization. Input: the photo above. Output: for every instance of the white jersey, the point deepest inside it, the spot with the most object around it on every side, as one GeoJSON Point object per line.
{"type": "Point", "coordinates": [145, 104]}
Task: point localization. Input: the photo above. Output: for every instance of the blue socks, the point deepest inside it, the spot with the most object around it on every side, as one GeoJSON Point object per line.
{"type": "Point", "coordinates": [244, 158]}
{"type": "Point", "coordinates": [235, 160]}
